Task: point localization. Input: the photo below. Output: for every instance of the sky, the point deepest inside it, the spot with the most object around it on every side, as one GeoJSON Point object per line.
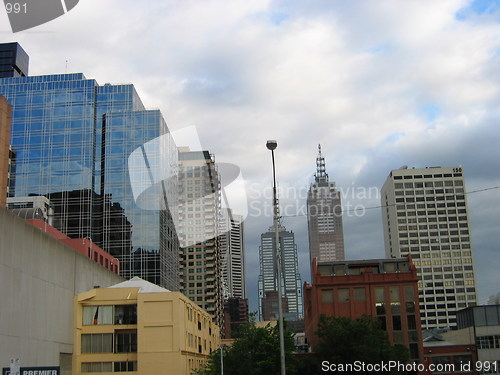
{"type": "Point", "coordinates": [379, 84]}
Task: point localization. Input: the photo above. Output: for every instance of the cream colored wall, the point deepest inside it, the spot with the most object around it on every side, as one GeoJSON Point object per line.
{"type": "Point", "coordinates": [163, 326]}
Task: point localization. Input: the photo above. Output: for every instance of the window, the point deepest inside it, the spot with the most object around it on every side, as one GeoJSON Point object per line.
{"type": "Point", "coordinates": [359, 294]}
{"type": "Point", "coordinates": [97, 366]}
{"type": "Point", "coordinates": [327, 295]}
{"type": "Point", "coordinates": [97, 315]}
{"type": "Point", "coordinates": [343, 295]}
{"type": "Point", "coordinates": [126, 314]}
{"type": "Point", "coordinates": [97, 343]}
{"type": "Point", "coordinates": [125, 366]}
{"type": "Point", "coordinates": [125, 341]}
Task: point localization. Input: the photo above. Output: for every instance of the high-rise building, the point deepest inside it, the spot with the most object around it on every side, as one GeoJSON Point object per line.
{"type": "Point", "coordinates": [233, 257]}
{"type": "Point", "coordinates": [5, 120]}
{"type": "Point", "coordinates": [324, 217]}
{"type": "Point", "coordinates": [425, 214]}
{"type": "Point", "coordinates": [14, 61]}
{"type": "Point", "coordinates": [291, 281]}
{"type": "Point", "coordinates": [198, 229]}
{"type": "Point", "coordinates": [72, 139]}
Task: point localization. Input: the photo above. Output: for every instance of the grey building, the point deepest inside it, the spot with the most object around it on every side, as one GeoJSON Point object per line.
{"type": "Point", "coordinates": [233, 255]}
{"type": "Point", "coordinates": [293, 307]}
{"type": "Point", "coordinates": [198, 229]}
{"type": "Point", "coordinates": [14, 61]}
{"type": "Point", "coordinates": [324, 217]}
{"type": "Point", "coordinates": [425, 214]}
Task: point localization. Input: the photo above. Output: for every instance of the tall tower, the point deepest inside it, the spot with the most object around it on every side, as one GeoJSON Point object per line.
{"type": "Point", "coordinates": [72, 139]}
{"type": "Point", "coordinates": [293, 308]}
{"type": "Point", "coordinates": [14, 61]}
{"type": "Point", "coordinates": [425, 214]}
{"type": "Point", "coordinates": [324, 217]}
{"type": "Point", "coordinates": [200, 245]}
{"type": "Point", "coordinates": [233, 255]}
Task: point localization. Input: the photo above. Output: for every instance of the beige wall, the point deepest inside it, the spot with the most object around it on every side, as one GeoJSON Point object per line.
{"type": "Point", "coordinates": [39, 277]}
{"type": "Point", "coordinates": [5, 119]}
{"type": "Point", "coordinates": [167, 331]}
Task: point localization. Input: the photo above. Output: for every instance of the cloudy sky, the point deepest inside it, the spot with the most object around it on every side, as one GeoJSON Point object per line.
{"type": "Point", "coordinates": [379, 84]}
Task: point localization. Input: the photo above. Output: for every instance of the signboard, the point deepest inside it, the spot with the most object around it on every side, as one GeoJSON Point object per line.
{"type": "Point", "coordinates": [52, 370]}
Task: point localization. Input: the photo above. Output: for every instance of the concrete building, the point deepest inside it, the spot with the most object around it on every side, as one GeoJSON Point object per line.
{"type": "Point", "coordinates": [425, 214]}
{"type": "Point", "coordinates": [40, 276]}
{"type": "Point", "coordinates": [383, 288]}
{"type": "Point", "coordinates": [5, 121]}
{"type": "Point", "coordinates": [324, 217]}
{"type": "Point", "coordinates": [291, 282]}
{"type": "Point", "coordinates": [480, 326]}
{"type": "Point", "coordinates": [136, 326]}
{"type": "Point", "coordinates": [233, 255]}
{"type": "Point", "coordinates": [198, 230]}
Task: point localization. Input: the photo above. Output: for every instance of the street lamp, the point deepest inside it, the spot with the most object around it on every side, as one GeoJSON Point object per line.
{"type": "Point", "coordinates": [271, 145]}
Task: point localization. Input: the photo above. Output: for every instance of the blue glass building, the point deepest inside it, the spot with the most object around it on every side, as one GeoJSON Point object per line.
{"type": "Point", "coordinates": [72, 139]}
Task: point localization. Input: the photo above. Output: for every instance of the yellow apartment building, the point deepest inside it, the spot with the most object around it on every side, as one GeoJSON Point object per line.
{"type": "Point", "coordinates": [136, 327]}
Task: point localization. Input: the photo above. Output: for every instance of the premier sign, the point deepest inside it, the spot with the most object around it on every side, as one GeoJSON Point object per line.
{"type": "Point", "coordinates": [34, 371]}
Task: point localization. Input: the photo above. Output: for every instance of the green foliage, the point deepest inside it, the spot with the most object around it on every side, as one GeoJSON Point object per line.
{"type": "Point", "coordinates": [255, 352]}
{"type": "Point", "coordinates": [343, 341]}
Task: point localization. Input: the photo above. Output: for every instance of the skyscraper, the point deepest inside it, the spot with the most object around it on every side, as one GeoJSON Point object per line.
{"type": "Point", "coordinates": [200, 248]}
{"type": "Point", "coordinates": [324, 217]}
{"type": "Point", "coordinates": [233, 256]}
{"type": "Point", "coordinates": [14, 61]}
{"type": "Point", "coordinates": [72, 139]}
{"type": "Point", "coordinates": [291, 284]}
{"type": "Point", "coordinates": [425, 214]}
{"type": "Point", "coordinates": [5, 119]}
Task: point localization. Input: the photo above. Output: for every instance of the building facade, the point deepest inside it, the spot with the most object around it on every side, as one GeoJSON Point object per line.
{"type": "Point", "coordinates": [136, 326]}
{"type": "Point", "coordinates": [200, 245]}
{"type": "Point", "coordinates": [40, 276]}
{"type": "Point", "coordinates": [235, 314]}
{"type": "Point", "coordinates": [72, 139]}
{"type": "Point", "coordinates": [233, 255]}
{"type": "Point", "coordinates": [5, 121]}
{"type": "Point", "coordinates": [425, 214]}
{"type": "Point", "coordinates": [324, 217]}
{"type": "Point", "coordinates": [480, 326]}
{"type": "Point", "coordinates": [383, 288]}
{"type": "Point", "coordinates": [291, 281]}
{"type": "Point", "coordinates": [14, 61]}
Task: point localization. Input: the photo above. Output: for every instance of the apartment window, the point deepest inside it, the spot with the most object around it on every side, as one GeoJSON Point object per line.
{"type": "Point", "coordinates": [343, 295]}
{"type": "Point", "coordinates": [125, 366]}
{"type": "Point", "coordinates": [327, 295]}
{"type": "Point", "coordinates": [97, 315]}
{"type": "Point", "coordinates": [97, 343]}
{"type": "Point", "coordinates": [97, 366]}
{"type": "Point", "coordinates": [359, 294]}
{"type": "Point", "coordinates": [126, 341]}
{"type": "Point", "coordinates": [126, 314]}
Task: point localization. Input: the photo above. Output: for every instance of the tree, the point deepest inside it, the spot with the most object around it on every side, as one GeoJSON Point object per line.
{"type": "Point", "coordinates": [256, 351]}
{"type": "Point", "coordinates": [345, 341]}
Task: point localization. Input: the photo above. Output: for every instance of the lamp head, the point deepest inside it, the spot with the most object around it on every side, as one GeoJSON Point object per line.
{"type": "Point", "coordinates": [271, 145]}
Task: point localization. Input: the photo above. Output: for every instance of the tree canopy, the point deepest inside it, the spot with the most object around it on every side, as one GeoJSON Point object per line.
{"type": "Point", "coordinates": [256, 351]}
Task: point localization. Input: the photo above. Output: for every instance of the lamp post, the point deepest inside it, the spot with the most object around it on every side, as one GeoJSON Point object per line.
{"type": "Point", "coordinates": [271, 145]}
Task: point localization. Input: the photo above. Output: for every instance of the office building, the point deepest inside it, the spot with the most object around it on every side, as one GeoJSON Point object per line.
{"type": "Point", "coordinates": [72, 139]}
{"type": "Point", "coordinates": [235, 314]}
{"type": "Point", "coordinates": [425, 214]}
{"type": "Point", "coordinates": [198, 229]}
{"type": "Point", "coordinates": [324, 217]}
{"type": "Point", "coordinates": [480, 326]}
{"type": "Point", "coordinates": [291, 281]}
{"type": "Point", "coordinates": [14, 61]}
{"type": "Point", "coordinates": [233, 256]}
{"type": "Point", "coordinates": [138, 327]}
{"type": "Point", "coordinates": [5, 120]}
{"type": "Point", "coordinates": [383, 288]}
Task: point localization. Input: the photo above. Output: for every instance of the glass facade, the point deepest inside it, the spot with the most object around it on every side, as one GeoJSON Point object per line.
{"type": "Point", "coordinates": [72, 139]}
{"type": "Point", "coordinates": [14, 61]}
